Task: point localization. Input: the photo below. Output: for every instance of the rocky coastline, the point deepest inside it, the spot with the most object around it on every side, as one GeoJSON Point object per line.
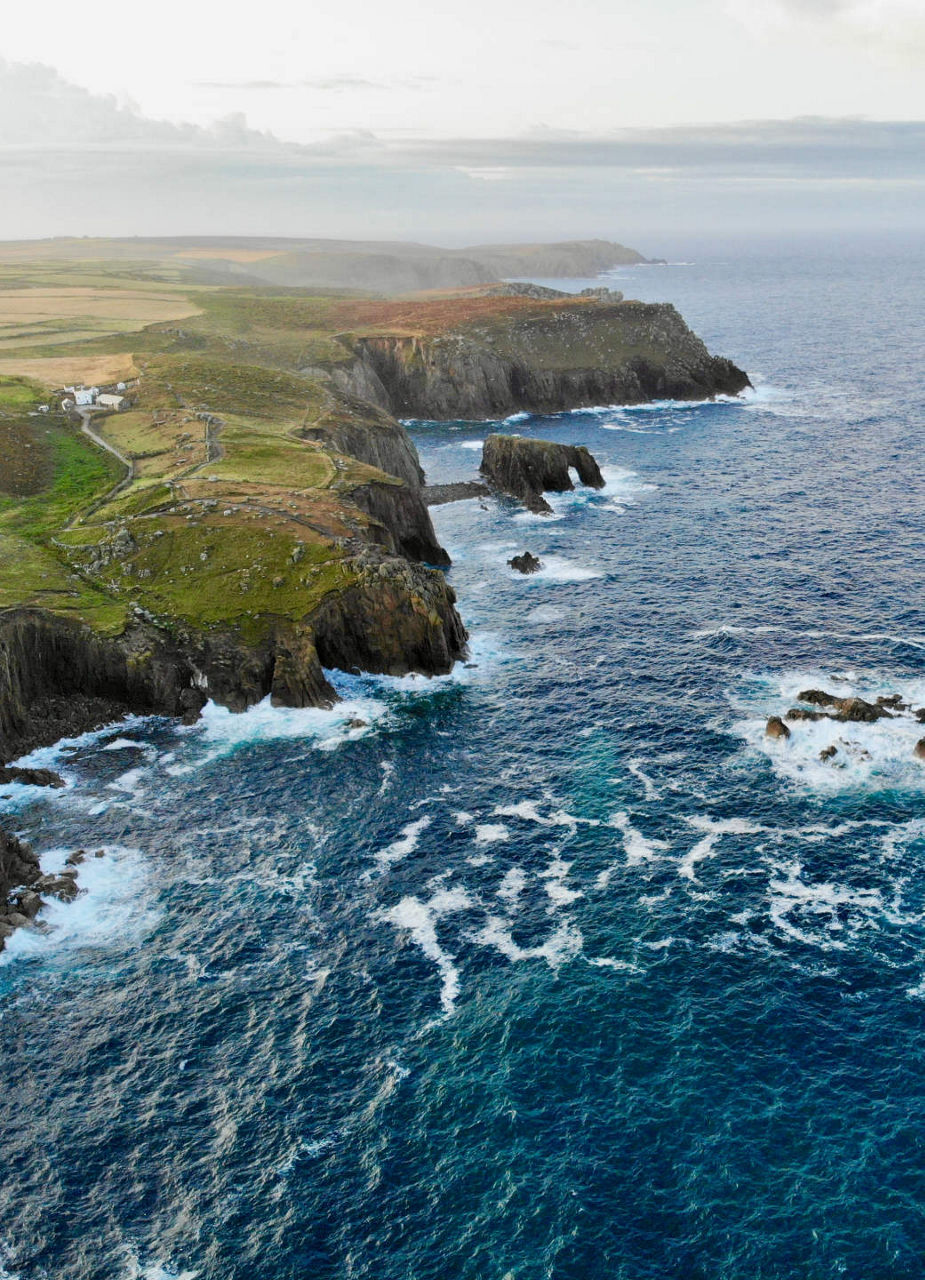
{"type": "Point", "coordinates": [299, 541]}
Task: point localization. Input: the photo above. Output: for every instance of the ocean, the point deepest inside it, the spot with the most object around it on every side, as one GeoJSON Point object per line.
{"type": "Point", "coordinates": [556, 966]}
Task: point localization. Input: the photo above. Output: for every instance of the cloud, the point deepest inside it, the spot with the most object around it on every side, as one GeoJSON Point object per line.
{"type": "Point", "coordinates": [40, 109]}
{"type": "Point", "coordinates": [808, 148]}
{"type": "Point", "coordinates": [323, 84]}
{"type": "Point", "coordinates": [153, 177]}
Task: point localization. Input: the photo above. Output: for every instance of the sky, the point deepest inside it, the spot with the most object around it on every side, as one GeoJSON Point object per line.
{"type": "Point", "coordinates": [499, 119]}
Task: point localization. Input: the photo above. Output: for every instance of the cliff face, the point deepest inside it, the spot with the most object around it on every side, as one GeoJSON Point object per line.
{"type": "Point", "coordinates": [357, 428]}
{"type": "Point", "coordinates": [59, 678]}
{"type": "Point", "coordinates": [564, 356]}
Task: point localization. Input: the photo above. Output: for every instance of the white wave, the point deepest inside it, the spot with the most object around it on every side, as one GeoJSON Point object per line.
{"type": "Point", "coordinates": [638, 849]}
{"type": "Point", "coordinates": [512, 886]}
{"type": "Point", "coordinates": [491, 833]}
{"type": "Point", "coordinates": [562, 945]}
{"type": "Point", "coordinates": [111, 910]}
{"type": "Point", "coordinates": [558, 892]}
{"type": "Point", "coordinates": [517, 417]}
{"type": "Point", "coordinates": [714, 829]}
{"type": "Point", "coordinates": [472, 444]}
{"type": "Point", "coordinates": [420, 920]}
{"type": "Point", "coordinates": [850, 637]}
{"type": "Point", "coordinates": [528, 811]}
{"type": "Point", "coordinates": [547, 613]}
{"type": "Point", "coordinates": [129, 782]}
{"type": "Point", "coordinates": [388, 777]}
{"type": "Point", "coordinates": [222, 731]}
{"type": "Point", "coordinates": [604, 962]}
{"type": "Point", "coordinates": [137, 1270]}
{"type": "Point", "coordinates": [868, 757]}
{"type": "Point", "coordinates": [634, 767]}
{"type": "Point", "coordinates": [816, 905]}
{"type": "Point", "coordinates": [407, 843]}
{"type": "Point", "coordinates": [557, 569]}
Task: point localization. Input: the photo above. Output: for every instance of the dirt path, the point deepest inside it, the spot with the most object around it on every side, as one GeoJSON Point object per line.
{"type": "Point", "coordinates": [87, 429]}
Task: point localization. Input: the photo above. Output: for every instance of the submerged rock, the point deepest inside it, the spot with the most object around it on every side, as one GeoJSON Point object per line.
{"type": "Point", "coordinates": [525, 563]}
{"type": "Point", "coordinates": [776, 728]}
{"type": "Point", "coordinates": [527, 469]}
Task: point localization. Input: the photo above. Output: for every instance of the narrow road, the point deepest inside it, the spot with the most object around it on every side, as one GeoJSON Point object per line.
{"type": "Point", "coordinates": [87, 429]}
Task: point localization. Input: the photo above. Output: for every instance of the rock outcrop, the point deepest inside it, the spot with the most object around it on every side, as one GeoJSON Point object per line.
{"type": "Point", "coordinates": [526, 469]}
{"type": "Point", "coordinates": [525, 563]}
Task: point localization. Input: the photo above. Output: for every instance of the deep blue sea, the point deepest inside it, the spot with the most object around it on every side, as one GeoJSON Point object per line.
{"type": "Point", "coordinates": [557, 968]}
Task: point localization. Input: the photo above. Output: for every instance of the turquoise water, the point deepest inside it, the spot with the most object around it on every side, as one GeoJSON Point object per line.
{"type": "Point", "coordinates": [557, 968]}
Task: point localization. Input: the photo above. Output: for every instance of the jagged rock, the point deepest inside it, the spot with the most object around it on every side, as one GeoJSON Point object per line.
{"type": "Point", "coordinates": [893, 701]}
{"type": "Point", "coordinates": [525, 563]}
{"type": "Point", "coordinates": [817, 697]}
{"type": "Point", "coordinates": [357, 724]}
{"type": "Point", "coordinates": [527, 468]}
{"type": "Point", "coordinates": [30, 777]}
{"type": "Point", "coordinates": [855, 710]}
{"type": "Point", "coordinates": [776, 728]}
{"type": "Point", "coordinates": [858, 711]}
{"type": "Point", "coordinates": [920, 715]}
{"type": "Point", "coordinates": [802, 713]}
{"type": "Point", "coordinates": [828, 752]}
{"type": "Point", "coordinates": [920, 748]}
{"type": "Point", "coordinates": [27, 903]}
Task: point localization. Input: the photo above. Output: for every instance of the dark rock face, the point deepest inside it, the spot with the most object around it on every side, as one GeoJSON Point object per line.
{"type": "Point", "coordinates": [31, 777]}
{"type": "Point", "coordinates": [19, 869]}
{"type": "Point", "coordinates": [402, 512]}
{"type": "Point", "coordinates": [525, 563]}
{"type": "Point", "coordinates": [776, 728]}
{"type": "Point", "coordinates": [566, 357]}
{"type": "Point", "coordinates": [527, 469]}
{"type": "Point", "coordinates": [828, 753]}
{"type": "Point", "coordinates": [357, 428]}
{"type": "Point", "coordinates": [920, 748]}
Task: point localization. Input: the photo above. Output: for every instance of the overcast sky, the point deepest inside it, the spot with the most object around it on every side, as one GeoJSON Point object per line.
{"type": "Point", "coordinates": [401, 119]}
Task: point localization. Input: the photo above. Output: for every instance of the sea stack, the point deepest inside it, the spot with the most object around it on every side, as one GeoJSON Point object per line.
{"type": "Point", "coordinates": [526, 469]}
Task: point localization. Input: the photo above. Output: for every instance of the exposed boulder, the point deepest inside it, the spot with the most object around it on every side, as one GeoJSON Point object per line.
{"type": "Point", "coordinates": [827, 753]}
{"type": "Point", "coordinates": [920, 748]}
{"type": "Point", "coordinates": [527, 468]}
{"type": "Point", "coordinates": [525, 563]}
{"type": "Point", "coordinates": [776, 728]}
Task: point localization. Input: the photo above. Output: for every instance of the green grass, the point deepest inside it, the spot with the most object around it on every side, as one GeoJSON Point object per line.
{"type": "Point", "coordinates": [81, 473]}
{"type": "Point", "coordinates": [18, 394]}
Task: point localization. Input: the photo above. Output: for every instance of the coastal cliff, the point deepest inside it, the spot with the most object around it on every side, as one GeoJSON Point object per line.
{"type": "Point", "coordinates": [542, 358]}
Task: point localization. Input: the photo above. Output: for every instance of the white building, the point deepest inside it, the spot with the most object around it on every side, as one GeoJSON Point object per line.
{"type": "Point", "coordinates": [107, 401]}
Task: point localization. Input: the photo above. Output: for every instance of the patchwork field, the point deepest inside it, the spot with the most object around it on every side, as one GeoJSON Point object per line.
{"type": "Point", "coordinates": [43, 316]}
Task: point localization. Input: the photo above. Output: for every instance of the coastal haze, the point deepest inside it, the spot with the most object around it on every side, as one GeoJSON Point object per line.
{"type": "Point", "coordinates": [462, 663]}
